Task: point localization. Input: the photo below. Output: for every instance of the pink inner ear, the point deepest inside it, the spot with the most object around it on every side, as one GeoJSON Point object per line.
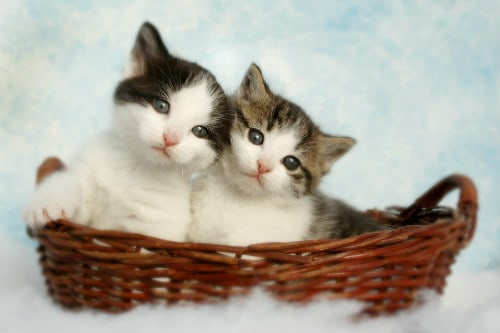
{"type": "Point", "coordinates": [332, 148]}
{"type": "Point", "coordinates": [133, 68]}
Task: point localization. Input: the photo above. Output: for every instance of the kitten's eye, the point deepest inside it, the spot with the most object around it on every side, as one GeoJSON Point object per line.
{"type": "Point", "coordinates": [200, 131]}
{"type": "Point", "coordinates": [291, 162]}
{"type": "Point", "coordinates": [255, 136]}
{"type": "Point", "coordinates": [161, 106]}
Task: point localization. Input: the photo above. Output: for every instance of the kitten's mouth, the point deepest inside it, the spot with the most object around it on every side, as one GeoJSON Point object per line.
{"type": "Point", "coordinates": [257, 177]}
{"type": "Point", "coordinates": [162, 150]}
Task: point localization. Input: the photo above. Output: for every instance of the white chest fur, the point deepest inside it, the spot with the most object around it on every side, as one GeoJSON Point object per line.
{"type": "Point", "coordinates": [222, 216]}
{"type": "Point", "coordinates": [122, 193]}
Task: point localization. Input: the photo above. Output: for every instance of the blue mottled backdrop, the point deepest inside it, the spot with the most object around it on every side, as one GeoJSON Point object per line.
{"type": "Point", "coordinates": [416, 82]}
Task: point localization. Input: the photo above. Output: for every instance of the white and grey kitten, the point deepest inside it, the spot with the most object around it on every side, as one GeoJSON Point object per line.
{"type": "Point", "coordinates": [170, 118]}
{"type": "Point", "coordinates": [264, 188]}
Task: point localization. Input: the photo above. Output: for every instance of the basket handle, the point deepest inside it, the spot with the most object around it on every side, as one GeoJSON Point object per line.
{"type": "Point", "coordinates": [467, 203]}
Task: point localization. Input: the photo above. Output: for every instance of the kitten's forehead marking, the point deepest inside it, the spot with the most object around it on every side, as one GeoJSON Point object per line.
{"type": "Point", "coordinates": [192, 105]}
{"type": "Point", "coordinates": [280, 111]}
{"type": "Point", "coordinates": [279, 143]}
{"type": "Point", "coordinates": [279, 115]}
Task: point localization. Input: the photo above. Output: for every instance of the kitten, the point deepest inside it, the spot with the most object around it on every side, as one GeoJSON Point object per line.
{"type": "Point", "coordinates": [170, 118]}
{"type": "Point", "coordinates": [264, 188]}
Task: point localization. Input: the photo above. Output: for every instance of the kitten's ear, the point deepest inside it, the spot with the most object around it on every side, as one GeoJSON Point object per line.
{"type": "Point", "coordinates": [253, 86]}
{"type": "Point", "coordinates": [332, 148]}
{"type": "Point", "coordinates": [148, 48]}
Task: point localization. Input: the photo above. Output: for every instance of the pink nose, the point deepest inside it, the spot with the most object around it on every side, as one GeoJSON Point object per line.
{"type": "Point", "coordinates": [262, 168]}
{"type": "Point", "coordinates": [169, 141]}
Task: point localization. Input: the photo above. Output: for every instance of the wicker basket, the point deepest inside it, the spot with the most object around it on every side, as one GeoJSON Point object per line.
{"type": "Point", "coordinates": [115, 271]}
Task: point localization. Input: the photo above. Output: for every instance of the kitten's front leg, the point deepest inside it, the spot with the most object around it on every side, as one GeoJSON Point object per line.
{"type": "Point", "coordinates": [59, 196]}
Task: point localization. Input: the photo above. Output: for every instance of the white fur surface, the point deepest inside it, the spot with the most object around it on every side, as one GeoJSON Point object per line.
{"type": "Point", "coordinates": [222, 214]}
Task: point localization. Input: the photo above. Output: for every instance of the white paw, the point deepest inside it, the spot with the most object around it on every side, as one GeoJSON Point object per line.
{"type": "Point", "coordinates": [38, 214]}
{"type": "Point", "coordinates": [51, 203]}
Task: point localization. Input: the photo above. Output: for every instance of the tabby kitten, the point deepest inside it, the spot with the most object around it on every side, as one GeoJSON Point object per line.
{"type": "Point", "coordinates": [170, 118]}
{"type": "Point", "coordinates": [264, 188]}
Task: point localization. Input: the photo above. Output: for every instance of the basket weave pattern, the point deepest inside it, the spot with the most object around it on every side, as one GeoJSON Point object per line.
{"type": "Point", "coordinates": [115, 271]}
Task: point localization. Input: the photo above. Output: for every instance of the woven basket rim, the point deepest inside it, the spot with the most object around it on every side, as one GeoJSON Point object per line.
{"type": "Point", "coordinates": [82, 230]}
{"type": "Point", "coordinates": [466, 210]}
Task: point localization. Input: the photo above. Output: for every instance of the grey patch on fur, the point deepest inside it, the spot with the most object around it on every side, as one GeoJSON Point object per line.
{"type": "Point", "coordinates": [335, 219]}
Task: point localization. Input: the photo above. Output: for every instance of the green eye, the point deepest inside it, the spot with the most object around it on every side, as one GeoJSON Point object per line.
{"type": "Point", "coordinates": [200, 131]}
{"type": "Point", "coordinates": [291, 162]}
{"type": "Point", "coordinates": [161, 106]}
{"type": "Point", "coordinates": [255, 136]}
